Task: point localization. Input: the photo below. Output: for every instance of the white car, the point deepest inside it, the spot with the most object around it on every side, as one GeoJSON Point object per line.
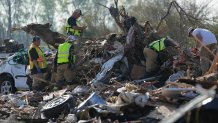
{"type": "Point", "coordinates": [13, 73]}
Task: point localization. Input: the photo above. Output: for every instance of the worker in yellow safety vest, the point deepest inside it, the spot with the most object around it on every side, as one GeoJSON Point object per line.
{"type": "Point", "coordinates": [65, 59]}
{"type": "Point", "coordinates": [152, 51]}
{"type": "Point", "coordinates": [72, 27]}
{"type": "Point", "coordinates": [37, 64]}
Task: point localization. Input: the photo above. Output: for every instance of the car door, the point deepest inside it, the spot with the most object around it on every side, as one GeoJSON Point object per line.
{"type": "Point", "coordinates": [19, 74]}
{"type": "Point", "coordinates": [18, 71]}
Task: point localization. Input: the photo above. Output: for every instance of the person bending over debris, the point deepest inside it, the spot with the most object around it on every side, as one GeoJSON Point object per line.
{"type": "Point", "coordinates": [65, 60]}
{"type": "Point", "coordinates": [37, 64]}
{"type": "Point", "coordinates": [72, 27]}
{"type": "Point", "coordinates": [206, 43]}
{"type": "Point", "coordinates": [151, 53]}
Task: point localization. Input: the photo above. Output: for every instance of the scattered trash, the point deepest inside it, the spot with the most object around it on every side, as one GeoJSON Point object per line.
{"type": "Point", "coordinates": [173, 92]}
{"type": "Point", "coordinates": [106, 67]}
{"type": "Point", "coordinates": [80, 90]}
{"type": "Point", "coordinates": [71, 118]}
{"type": "Point", "coordinates": [176, 76]}
{"type": "Point", "coordinates": [130, 97]}
{"type": "Point", "coordinates": [57, 106]}
{"type": "Point", "coordinates": [91, 100]}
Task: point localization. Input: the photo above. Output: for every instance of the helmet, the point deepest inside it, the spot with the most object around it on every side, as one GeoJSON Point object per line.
{"type": "Point", "coordinates": [190, 29]}
{"type": "Point", "coordinates": [71, 38]}
{"type": "Point", "coordinates": [11, 40]}
{"type": "Point", "coordinates": [36, 38]}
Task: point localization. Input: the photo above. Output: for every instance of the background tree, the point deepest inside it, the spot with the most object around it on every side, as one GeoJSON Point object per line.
{"type": "Point", "coordinates": [9, 19]}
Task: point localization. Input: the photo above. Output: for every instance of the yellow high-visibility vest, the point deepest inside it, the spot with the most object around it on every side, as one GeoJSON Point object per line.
{"type": "Point", "coordinates": [158, 45]}
{"type": "Point", "coordinates": [41, 61]}
{"type": "Point", "coordinates": [72, 31]}
{"type": "Point", "coordinates": [63, 52]}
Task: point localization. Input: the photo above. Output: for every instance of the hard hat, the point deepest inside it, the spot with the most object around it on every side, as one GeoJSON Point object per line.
{"type": "Point", "coordinates": [36, 38]}
{"type": "Point", "coordinates": [190, 29]}
{"type": "Point", "coordinates": [11, 40]}
{"type": "Point", "coordinates": [71, 38]}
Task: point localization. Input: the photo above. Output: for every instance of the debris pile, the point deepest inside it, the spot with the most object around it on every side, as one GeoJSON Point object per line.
{"type": "Point", "coordinates": [111, 83]}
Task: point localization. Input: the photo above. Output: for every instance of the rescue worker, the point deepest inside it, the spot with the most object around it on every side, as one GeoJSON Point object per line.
{"type": "Point", "coordinates": [151, 53]}
{"type": "Point", "coordinates": [37, 64]}
{"type": "Point", "coordinates": [65, 59]}
{"type": "Point", "coordinates": [206, 42]}
{"type": "Point", "coordinates": [72, 27]}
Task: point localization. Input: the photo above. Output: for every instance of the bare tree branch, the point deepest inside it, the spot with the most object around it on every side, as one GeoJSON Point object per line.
{"type": "Point", "coordinates": [103, 5]}
{"type": "Point", "coordinates": [178, 7]}
{"type": "Point", "coordinates": [161, 20]}
{"type": "Point", "coordinates": [188, 16]}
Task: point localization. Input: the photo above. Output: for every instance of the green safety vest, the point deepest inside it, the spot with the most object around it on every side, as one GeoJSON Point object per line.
{"type": "Point", "coordinates": [63, 53]}
{"type": "Point", "coordinates": [41, 60]}
{"type": "Point", "coordinates": [72, 31]}
{"type": "Point", "coordinates": [158, 45]}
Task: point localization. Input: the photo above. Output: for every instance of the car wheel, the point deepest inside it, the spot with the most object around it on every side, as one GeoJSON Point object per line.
{"type": "Point", "coordinates": [7, 85]}
{"type": "Point", "coordinates": [55, 107]}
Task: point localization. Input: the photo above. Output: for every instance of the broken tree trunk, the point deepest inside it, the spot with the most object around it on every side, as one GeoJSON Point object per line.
{"type": "Point", "coordinates": [44, 32]}
{"type": "Point", "coordinates": [117, 14]}
{"type": "Point", "coordinates": [134, 45]}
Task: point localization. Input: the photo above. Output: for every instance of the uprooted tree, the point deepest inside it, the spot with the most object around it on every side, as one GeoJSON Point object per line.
{"type": "Point", "coordinates": [44, 32]}
{"type": "Point", "coordinates": [137, 36]}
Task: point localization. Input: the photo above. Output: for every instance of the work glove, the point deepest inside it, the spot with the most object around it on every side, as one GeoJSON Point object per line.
{"type": "Point", "coordinates": [38, 71]}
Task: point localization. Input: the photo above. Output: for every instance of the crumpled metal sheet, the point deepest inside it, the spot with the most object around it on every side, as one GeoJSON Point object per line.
{"type": "Point", "coordinates": [107, 66]}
